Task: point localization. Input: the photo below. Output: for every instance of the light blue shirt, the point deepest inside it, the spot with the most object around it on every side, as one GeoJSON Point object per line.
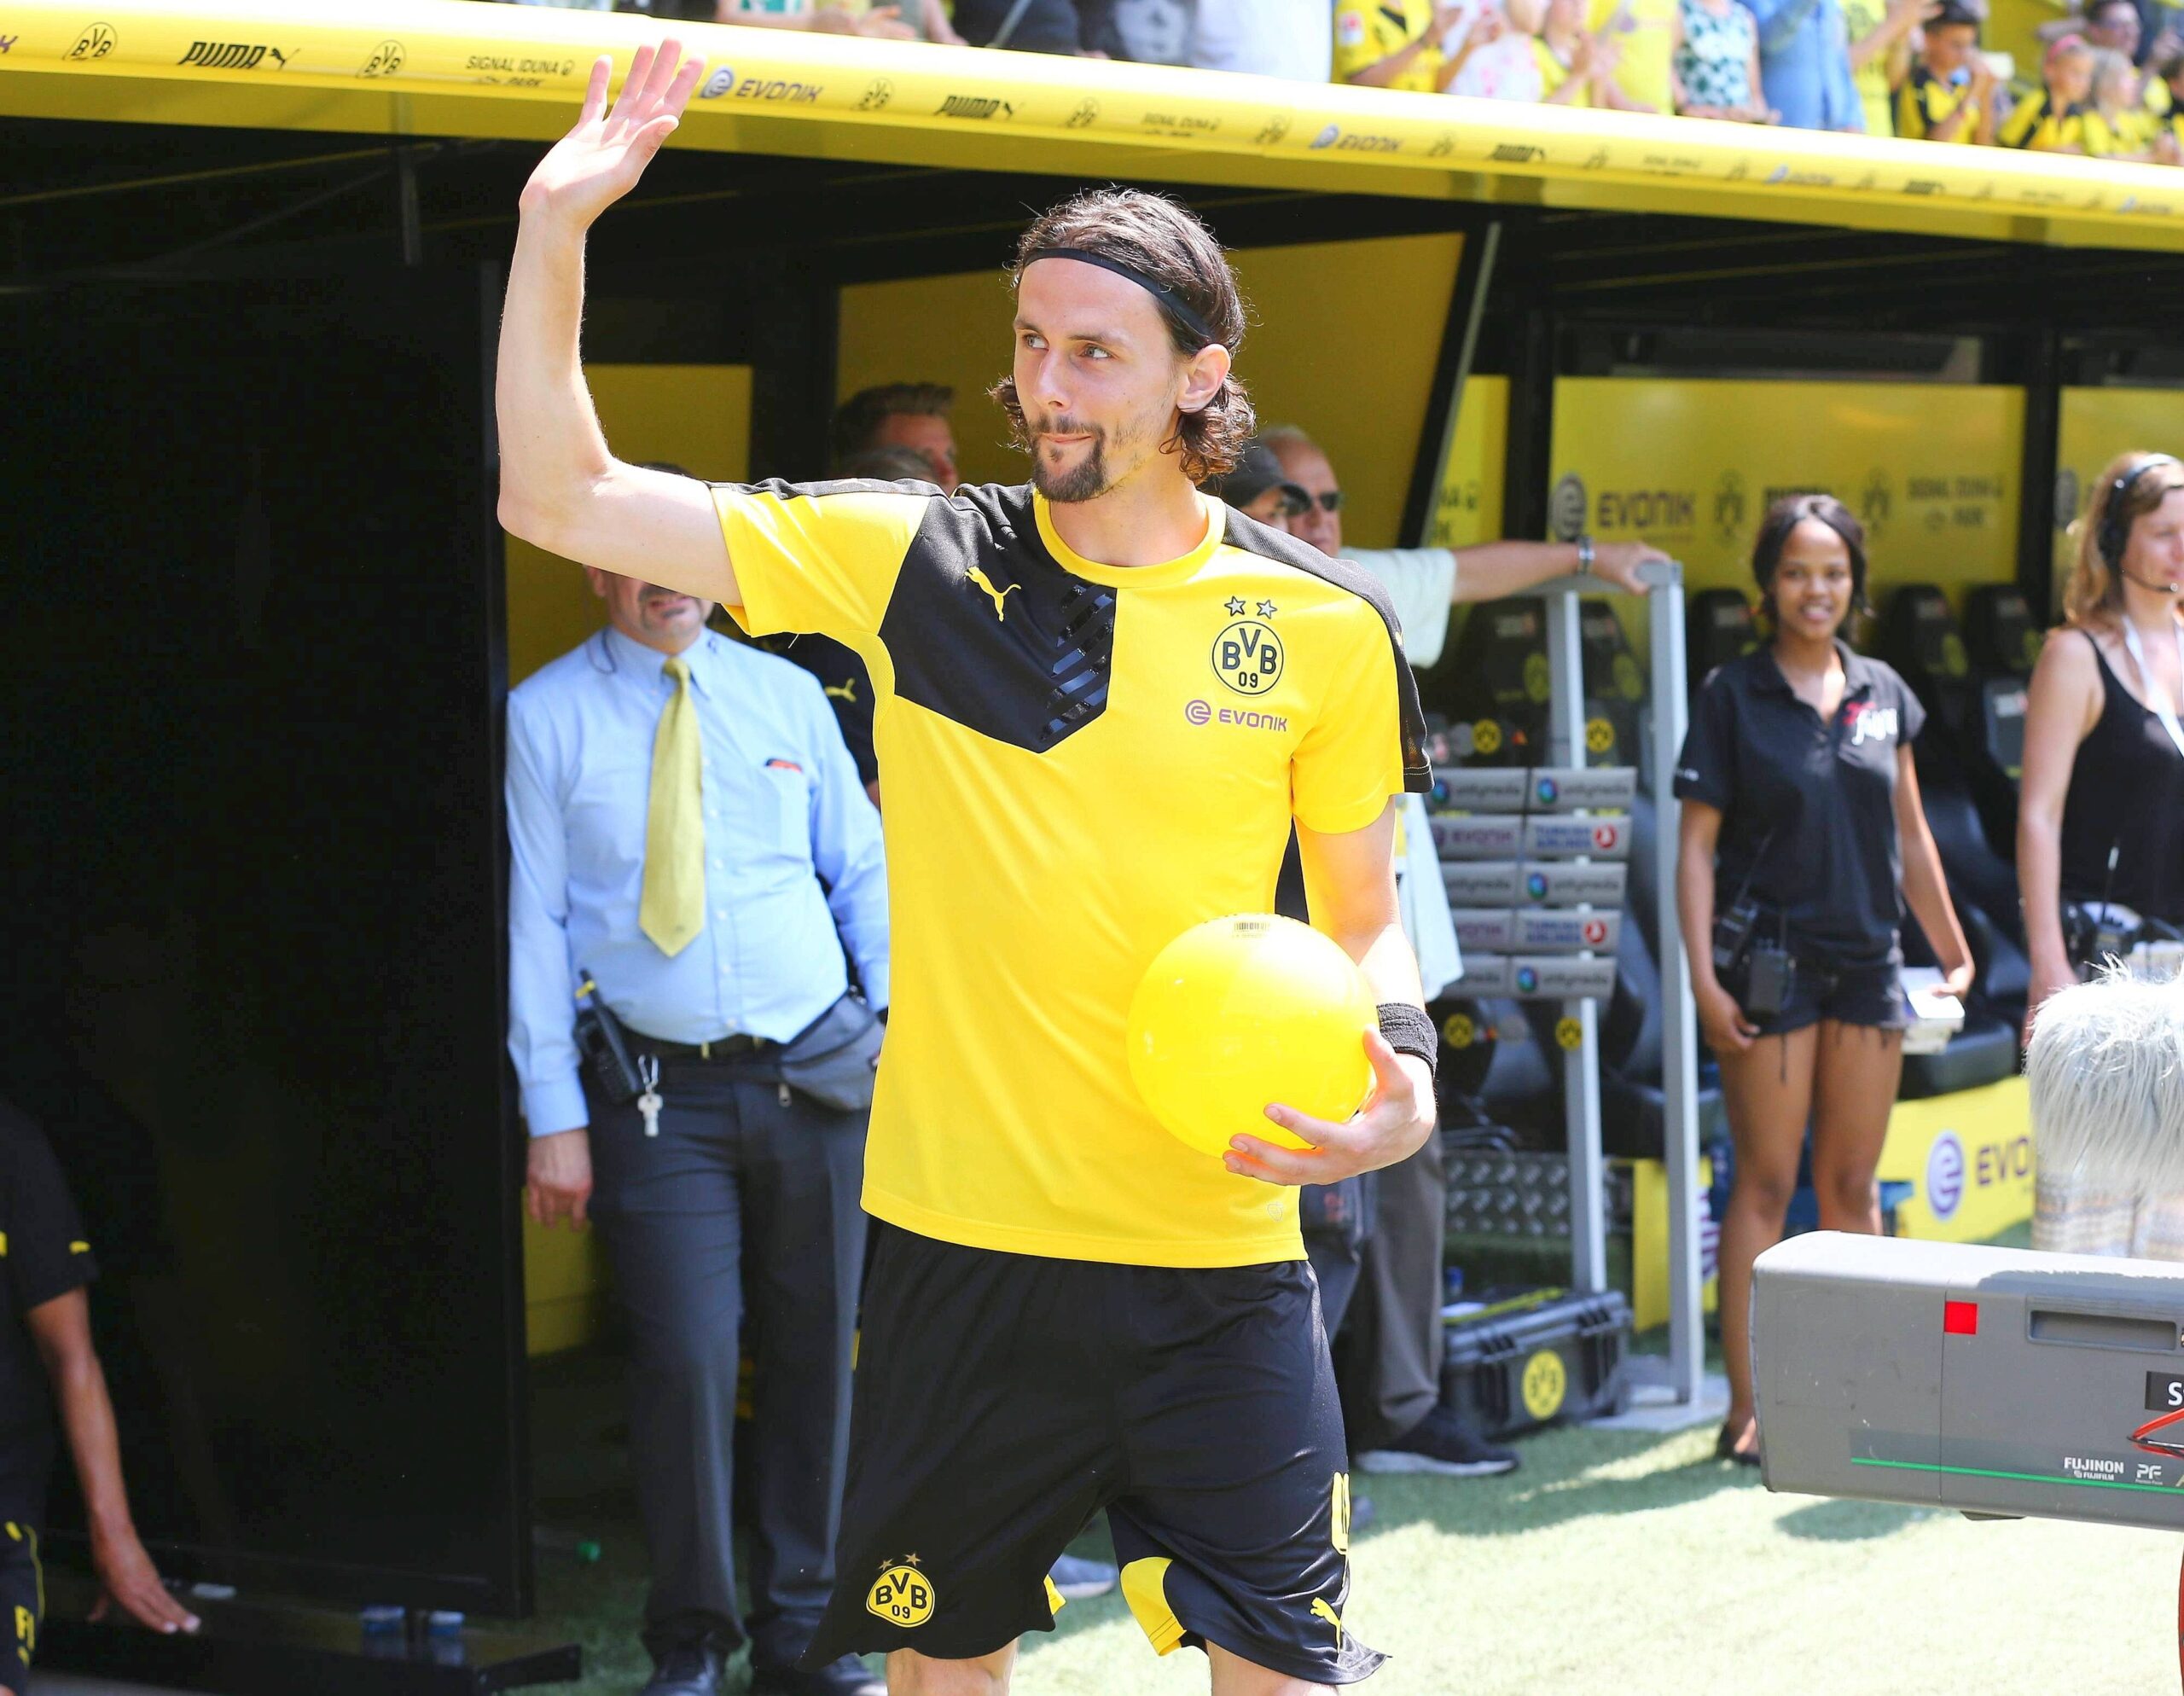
{"type": "Point", "coordinates": [1804, 60]}
{"type": "Point", "coordinates": [793, 862]}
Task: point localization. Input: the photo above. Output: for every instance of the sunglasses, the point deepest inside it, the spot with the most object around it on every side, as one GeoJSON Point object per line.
{"type": "Point", "coordinates": [1330, 500]}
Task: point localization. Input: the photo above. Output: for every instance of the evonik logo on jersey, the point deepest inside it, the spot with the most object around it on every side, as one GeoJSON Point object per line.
{"type": "Point", "coordinates": [1241, 718]}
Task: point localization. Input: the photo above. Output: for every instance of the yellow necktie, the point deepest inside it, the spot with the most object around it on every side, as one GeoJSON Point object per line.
{"type": "Point", "coordinates": [673, 908]}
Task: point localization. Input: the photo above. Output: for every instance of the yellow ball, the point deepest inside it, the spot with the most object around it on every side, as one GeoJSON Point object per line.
{"type": "Point", "coordinates": [1239, 1014]}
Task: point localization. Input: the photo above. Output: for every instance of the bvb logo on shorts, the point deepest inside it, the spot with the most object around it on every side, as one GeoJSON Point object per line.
{"type": "Point", "coordinates": [1247, 657]}
{"type": "Point", "coordinates": [901, 1594]}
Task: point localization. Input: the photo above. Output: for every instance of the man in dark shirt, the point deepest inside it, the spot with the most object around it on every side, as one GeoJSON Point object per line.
{"type": "Point", "coordinates": [46, 1355]}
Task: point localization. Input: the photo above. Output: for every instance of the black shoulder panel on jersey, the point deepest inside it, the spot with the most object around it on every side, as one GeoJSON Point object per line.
{"type": "Point", "coordinates": [781, 489]}
{"type": "Point", "coordinates": [1251, 536]}
{"type": "Point", "coordinates": [986, 630]}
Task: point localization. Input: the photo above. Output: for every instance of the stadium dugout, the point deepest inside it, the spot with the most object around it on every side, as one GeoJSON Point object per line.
{"type": "Point", "coordinates": [262, 619]}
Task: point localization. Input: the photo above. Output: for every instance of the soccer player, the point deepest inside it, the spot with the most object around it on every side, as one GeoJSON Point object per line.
{"type": "Point", "coordinates": [1103, 700]}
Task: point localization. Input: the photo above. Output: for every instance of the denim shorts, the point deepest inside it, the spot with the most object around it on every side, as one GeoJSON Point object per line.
{"type": "Point", "coordinates": [1871, 994]}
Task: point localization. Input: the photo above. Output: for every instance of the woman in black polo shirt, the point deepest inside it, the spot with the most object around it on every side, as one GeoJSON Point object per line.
{"type": "Point", "coordinates": [1801, 819]}
{"type": "Point", "coordinates": [2101, 816]}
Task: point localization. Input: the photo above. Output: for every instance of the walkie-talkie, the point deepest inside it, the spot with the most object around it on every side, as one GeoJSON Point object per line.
{"type": "Point", "coordinates": [605, 1047]}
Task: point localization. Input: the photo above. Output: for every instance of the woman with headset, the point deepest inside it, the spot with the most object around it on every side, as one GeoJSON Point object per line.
{"type": "Point", "coordinates": [2100, 812]}
{"type": "Point", "coordinates": [1802, 840]}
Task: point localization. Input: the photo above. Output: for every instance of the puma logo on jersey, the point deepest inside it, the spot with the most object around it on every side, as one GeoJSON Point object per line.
{"type": "Point", "coordinates": [1321, 1611]}
{"type": "Point", "coordinates": [998, 596]}
{"type": "Point", "coordinates": [843, 691]}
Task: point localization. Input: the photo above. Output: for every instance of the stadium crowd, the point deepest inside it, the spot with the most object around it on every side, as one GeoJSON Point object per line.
{"type": "Point", "coordinates": [2102, 77]}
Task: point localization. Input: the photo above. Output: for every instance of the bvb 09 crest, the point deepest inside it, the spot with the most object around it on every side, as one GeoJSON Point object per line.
{"type": "Point", "coordinates": [901, 1594]}
{"type": "Point", "coordinates": [1247, 657]}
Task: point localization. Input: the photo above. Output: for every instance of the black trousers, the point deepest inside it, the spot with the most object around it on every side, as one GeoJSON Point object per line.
{"type": "Point", "coordinates": [1394, 1379]}
{"type": "Point", "coordinates": [745, 1203]}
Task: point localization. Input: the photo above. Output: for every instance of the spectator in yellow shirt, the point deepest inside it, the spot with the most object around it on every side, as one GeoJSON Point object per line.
{"type": "Point", "coordinates": [1952, 92]}
{"type": "Point", "coordinates": [1576, 68]}
{"type": "Point", "coordinates": [1882, 48]}
{"type": "Point", "coordinates": [1395, 45]}
{"type": "Point", "coordinates": [1646, 34]}
{"type": "Point", "coordinates": [2169, 145]}
{"type": "Point", "coordinates": [2119, 125]}
{"type": "Point", "coordinates": [2052, 119]}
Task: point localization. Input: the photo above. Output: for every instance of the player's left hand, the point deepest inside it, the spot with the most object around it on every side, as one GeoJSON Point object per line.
{"type": "Point", "coordinates": [1393, 1124]}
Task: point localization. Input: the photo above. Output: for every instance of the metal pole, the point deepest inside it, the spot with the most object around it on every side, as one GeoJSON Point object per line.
{"type": "Point", "coordinates": [1581, 1070]}
{"type": "Point", "coordinates": [1664, 611]}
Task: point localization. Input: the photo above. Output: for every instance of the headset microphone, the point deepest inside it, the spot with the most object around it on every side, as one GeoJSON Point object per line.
{"type": "Point", "coordinates": [2158, 588]}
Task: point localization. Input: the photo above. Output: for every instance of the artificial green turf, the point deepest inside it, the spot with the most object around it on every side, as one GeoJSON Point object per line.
{"type": "Point", "coordinates": [1614, 1561]}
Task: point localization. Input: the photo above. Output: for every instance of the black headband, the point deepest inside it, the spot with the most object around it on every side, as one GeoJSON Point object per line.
{"type": "Point", "coordinates": [1182, 310]}
{"type": "Point", "coordinates": [2154, 462]}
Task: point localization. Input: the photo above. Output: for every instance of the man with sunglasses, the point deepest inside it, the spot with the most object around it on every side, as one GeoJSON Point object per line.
{"type": "Point", "coordinates": [1392, 1403]}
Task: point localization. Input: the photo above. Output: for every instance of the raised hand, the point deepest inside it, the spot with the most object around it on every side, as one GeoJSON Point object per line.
{"type": "Point", "coordinates": [600, 161]}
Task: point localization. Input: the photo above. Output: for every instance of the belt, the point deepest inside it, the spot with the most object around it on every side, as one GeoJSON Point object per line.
{"type": "Point", "coordinates": [736, 1047]}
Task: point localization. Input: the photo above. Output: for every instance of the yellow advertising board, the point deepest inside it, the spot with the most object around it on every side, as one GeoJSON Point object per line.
{"type": "Point", "coordinates": [1468, 507]}
{"type": "Point", "coordinates": [1649, 1245]}
{"type": "Point", "coordinates": [2095, 426]}
{"type": "Point", "coordinates": [1930, 468]}
{"type": "Point", "coordinates": [454, 67]}
{"type": "Point", "coordinates": [1969, 1160]}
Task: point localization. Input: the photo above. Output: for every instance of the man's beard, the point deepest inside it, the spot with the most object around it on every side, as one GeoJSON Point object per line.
{"type": "Point", "coordinates": [1085, 481]}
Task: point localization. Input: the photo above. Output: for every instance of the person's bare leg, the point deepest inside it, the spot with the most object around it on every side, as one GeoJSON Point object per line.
{"type": "Point", "coordinates": [911, 1673]}
{"type": "Point", "coordinates": [1859, 1070]}
{"type": "Point", "coordinates": [1233, 1675]}
{"type": "Point", "coordinates": [1769, 1090]}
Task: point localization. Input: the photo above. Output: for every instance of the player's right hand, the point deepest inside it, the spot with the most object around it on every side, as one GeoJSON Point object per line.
{"type": "Point", "coordinates": [1727, 1031]}
{"type": "Point", "coordinates": [559, 1178]}
{"type": "Point", "coordinates": [600, 161]}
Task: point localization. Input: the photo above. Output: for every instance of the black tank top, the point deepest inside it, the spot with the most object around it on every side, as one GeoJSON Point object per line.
{"type": "Point", "coordinates": [2127, 793]}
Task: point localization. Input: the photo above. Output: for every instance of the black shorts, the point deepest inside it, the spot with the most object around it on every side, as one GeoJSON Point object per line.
{"type": "Point", "coordinates": [1870, 995]}
{"type": "Point", "coordinates": [22, 1598]}
{"type": "Point", "coordinates": [1001, 1400]}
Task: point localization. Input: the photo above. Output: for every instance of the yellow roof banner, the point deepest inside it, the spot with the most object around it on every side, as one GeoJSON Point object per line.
{"type": "Point", "coordinates": [458, 67]}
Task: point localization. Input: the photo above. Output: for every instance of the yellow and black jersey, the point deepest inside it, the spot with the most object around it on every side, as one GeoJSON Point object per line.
{"type": "Point", "coordinates": [1553, 73]}
{"type": "Point", "coordinates": [2129, 131]}
{"type": "Point", "coordinates": [1082, 762]}
{"type": "Point", "coordinates": [1926, 101]}
{"type": "Point", "coordinates": [2038, 126]}
{"type": "Point", "coordinates": [1364, 35]}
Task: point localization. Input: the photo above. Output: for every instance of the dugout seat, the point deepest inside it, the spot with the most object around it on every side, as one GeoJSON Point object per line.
{"type": "Point", "coordinates": [1492, 684]}
{"type": "Point", "coordinates": [1494, 1069]}
{"type": "Point", "coordinates": [1978, 718]}
{"type": "Point", "coordinates": [1717, 627]}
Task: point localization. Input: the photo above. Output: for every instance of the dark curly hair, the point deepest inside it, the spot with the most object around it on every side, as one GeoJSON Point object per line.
{"type": "Point", "coordinates": [1153, 234]}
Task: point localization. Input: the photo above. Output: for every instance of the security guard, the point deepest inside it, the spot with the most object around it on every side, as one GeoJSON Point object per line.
{"type": "Point", "coordinates": [45, 1356]}
{"type": "Point", "coordinates": [689, 836]}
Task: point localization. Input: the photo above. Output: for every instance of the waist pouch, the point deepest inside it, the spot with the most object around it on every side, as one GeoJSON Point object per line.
{"type": "Point", "coordinates": [834, 1058]}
